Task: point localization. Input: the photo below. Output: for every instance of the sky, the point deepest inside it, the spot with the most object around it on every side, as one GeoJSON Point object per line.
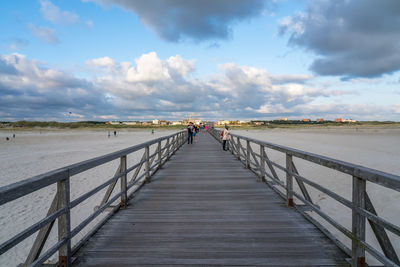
{"type": "Point", "coordinates": [80, 60]}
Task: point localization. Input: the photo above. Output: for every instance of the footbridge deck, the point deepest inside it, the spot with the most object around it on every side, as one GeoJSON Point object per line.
{"type": "Point", "coordinates": [204, 208]}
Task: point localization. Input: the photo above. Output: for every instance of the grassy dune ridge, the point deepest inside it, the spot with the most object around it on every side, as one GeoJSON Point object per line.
{"type": "Point", "coordinates": [29, 125]}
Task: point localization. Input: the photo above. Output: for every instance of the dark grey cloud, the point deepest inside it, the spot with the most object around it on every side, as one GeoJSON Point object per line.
{"type": "Point", "coordinates": [351, 38]}
{"type": "Point", "coordinates": [174, 20]}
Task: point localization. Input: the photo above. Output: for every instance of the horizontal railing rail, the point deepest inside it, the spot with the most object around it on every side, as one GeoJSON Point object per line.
{"type": "Point", "coordinates": [360, 205]}
{"type": "Point", "coordinates": [60, 208]}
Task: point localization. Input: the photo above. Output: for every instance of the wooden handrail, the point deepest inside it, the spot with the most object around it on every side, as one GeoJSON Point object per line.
{"type": "Point", "coordinates": [361, 206]}
{"type": "Point", "coordinates": [61, 205]}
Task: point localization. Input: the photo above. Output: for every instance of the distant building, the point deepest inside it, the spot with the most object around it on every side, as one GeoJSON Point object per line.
{"type": "Point", "coordinates": [176, 122]}
{"type": "Point", "coordinates": [163, 122]}
{"type": "Point", "coordinates": [131, 122]}
{"type": "Point", "coordinates": [257, 123]}
{"type": "Point", "coordinates": [155, 122]}
{"type": "Point", "coordinates": [338, 120]}
{"type": "Point", "coordinates": [320, 120]}
{"type": "Point", "coordinates": [349, 120]}
{"type": "Point", "coordinates": [306, 120]}
{"type": "Point", "coordinates": [283, 119]}
{"type": "Point", "coordinates": [222, 122]}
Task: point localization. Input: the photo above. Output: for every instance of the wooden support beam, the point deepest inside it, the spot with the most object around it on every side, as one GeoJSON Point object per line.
{"type": "Point", "coordinates": [271, 167]}
{"type": "Point", "coordinates": [147, 152]}
{"type": "Point", "coordinates": [262, 163]}
{"type": "Point", "coordinates": [289, 180]}
{"type": "Point", "coordinates": [381, 234]}
{"type": "Point", "coordinates": [301, 185]}
{"type": "Point", "coordinates": [138, 168]}
{"type": "Point", "coordinates": [358, 222]}
{"type": "Point", "coordinates": [43, 234]}
{"type": "Point", "coordinates": [159, 154]}
{"type": "Point", "coordinates": [64, 223]}
{"type": "Point", "coordinates": [247, 154]}
{"type": "Point", "coordinates": [238, 146]}
{"type": "Point", "coordinates": [124, 195]}
{"type": "Point", "coordinates": [110, 188]}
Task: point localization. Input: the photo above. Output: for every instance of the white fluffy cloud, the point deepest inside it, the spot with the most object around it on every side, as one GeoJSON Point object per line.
{"type": "Point", "coordinates": [55, 15]}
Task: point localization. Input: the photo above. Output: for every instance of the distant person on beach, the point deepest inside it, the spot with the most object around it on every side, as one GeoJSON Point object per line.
{"type": "Point", "coordinates": [13, 135]}
{"type": "Point", "coordinates": [152, 131]}
{"type": "Point", "coordinates": [225, 137]}
{"type": "Point", "coordinates": [206, 127]}
{"type": "Point", "coordinates": [115, 133]}
{"type": "Point", "coordinates": [7, 138]}
{"type": "Point", "coordinates": [190, 130]}
{"type": "Point", "coordinates": [109, 134]}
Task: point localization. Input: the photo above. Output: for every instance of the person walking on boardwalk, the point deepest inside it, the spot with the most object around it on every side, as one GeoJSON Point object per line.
{"type": "Point", "coordinates": [190, 130]}
{"type": "Point", "coordinates": [195, 131]}
{"type": "Point", "coordinates": [225, 137]}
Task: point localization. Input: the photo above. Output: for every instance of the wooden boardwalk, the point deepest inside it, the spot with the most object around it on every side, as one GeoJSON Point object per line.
{"type": "Point", "coordinates": [205, 208]}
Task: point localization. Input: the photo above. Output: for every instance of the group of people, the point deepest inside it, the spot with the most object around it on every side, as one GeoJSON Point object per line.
{"type": "Point", "coordinates": [193, 129]}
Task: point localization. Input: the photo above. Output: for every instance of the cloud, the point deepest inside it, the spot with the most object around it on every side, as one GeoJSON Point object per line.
{"type": "Point", "coordinates": [174, 20]}
{"type": "Point", "coordinates": [33, 90]}
{"type": "Point", "coordinates": [351, 38]}
{"type": "Point", "coordinates": [45, 34]}
{"type": "Point", "coordinates": [152, 87]}
{"type": "Point", "coordinates": [53, 14]}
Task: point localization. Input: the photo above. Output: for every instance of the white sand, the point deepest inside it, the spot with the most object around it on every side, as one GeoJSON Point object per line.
{"type": "Point", "coordinates": [32, 153]}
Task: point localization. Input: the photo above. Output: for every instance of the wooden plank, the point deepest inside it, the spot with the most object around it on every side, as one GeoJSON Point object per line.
{"type": "Point", "coordinates": [205, 208]}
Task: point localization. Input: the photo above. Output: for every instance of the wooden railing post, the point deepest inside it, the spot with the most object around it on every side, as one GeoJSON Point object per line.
{"type": "Point", "coordinates": [239, 145]}
{"type": "Point", "coordinates": [159, 154]}
{"type": "Point", "coordinates": [173, 145]}
{"type": "Point", "coordinates": [248, 154]}
{"type": "Point", "coordinates": [122, 169]}
{"type": "Point", "coordinates": [289, 180]}
{"type": "Point", "coordinates": [358, 222]}
{"type": "Point", "coordinates": [262, 163]}
{"type": "Point", "coordinates": [64, 223]}
{"type": "Point", "coordinates": [147, 149]}
{"type": "Point", "coordinates": [168, 148]}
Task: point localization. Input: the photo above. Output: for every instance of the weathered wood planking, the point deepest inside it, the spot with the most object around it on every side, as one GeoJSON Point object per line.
{"type": "Point", "coordinates": [204, 208]}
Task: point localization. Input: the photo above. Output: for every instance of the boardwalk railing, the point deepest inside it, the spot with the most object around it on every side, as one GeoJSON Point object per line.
{"type": "Point", "coordinates": [61, 205]}
{"type": "Point", "coordinates": [361, 204]}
